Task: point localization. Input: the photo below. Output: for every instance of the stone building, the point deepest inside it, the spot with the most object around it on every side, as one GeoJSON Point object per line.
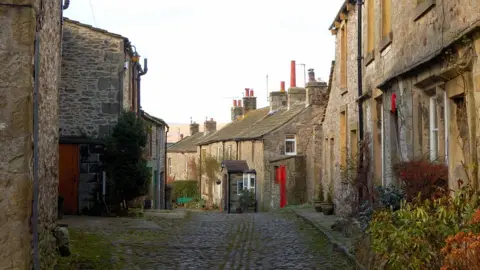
{"type": "Point", "coordinates": [30, 55]}
{"type": "Point", "coordinates": [418, 96]}
{"type": "Point", "coordinates": [283, 135]}
{"type": "Point", "coordinates": [100, 78]}
{"type": "Point", "coordinates": [155, 154]}
{"type": "Point", "coordinates": [182, 163]}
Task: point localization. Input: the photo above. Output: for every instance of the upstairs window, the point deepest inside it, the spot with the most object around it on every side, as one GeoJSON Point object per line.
{"type": "Point", "coordinates": [290, 145]}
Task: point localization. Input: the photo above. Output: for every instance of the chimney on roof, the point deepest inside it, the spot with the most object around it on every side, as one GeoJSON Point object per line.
{"type": "Point", "coordinates": [194, 128]}
{"type": "Point", "coordinates": [181, 136]}
{"type": "Point", "coordinates": [249, 101]}
{"type": "Point", "coordinates": [237, 110]}
{"type": "Point", "coordinates": [316, 91]}
{"type": "Point", "coordinates": [293, 74]}
{"type": "Point", "coordinates": [278, 99]}
{"type": "Point", "coordinates": [209, 126]}
{"type": "Point", "coordinates": [295, 94]}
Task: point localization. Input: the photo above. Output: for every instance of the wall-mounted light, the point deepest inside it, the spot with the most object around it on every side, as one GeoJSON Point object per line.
{"type": "Point", "coordinates": [135, 56]}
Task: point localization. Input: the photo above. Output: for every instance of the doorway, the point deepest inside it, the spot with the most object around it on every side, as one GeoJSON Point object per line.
{"type": "Point", "coordinates": [68, 177]}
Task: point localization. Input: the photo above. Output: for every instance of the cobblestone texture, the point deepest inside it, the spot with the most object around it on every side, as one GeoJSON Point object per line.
{"type": "Point", "coordinates": [226, 241]}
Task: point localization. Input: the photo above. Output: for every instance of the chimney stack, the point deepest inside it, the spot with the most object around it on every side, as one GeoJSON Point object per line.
{"type": "Point", "coordinates": [278, 99]}
{"type": "Point", "coordinates": [249, 101]}
{"type": "Point", "coordinates": [293, 75]}
{"type": "Point", "coordinates": [295, 94]}
{"type": "Point", "coordinates": [236, 111]}
{"type": "Point", "coordinates": [210, 126]}
{"type": "Point", "coordinates": [316, 93]}
{"type": "Point", "coordinates": [181, 136]}
{"type": "Point", "coordinates": [194, 128]}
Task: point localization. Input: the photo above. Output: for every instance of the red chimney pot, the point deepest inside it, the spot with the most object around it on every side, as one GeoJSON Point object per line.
{"type": "Point", "coordinates": [293, 76]}
{"type": "Point", "coordinates": [251, 93]}
{"type": "Point", "coordinates": [239, 103]}
{"type": "Point", "coordinates": [282, 86]}
{"type": "Point", "coordinates": [234, 103]}
{"type": "Point", "coordinates": [211, 119]}
{"type": "Point", "coordinates": [246, 92]}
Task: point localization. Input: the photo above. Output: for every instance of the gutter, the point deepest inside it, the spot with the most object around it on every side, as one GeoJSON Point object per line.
{"type": "Point", "coordinates": [359, 69]}
{"type": "Point", "coordinates": [159, 173]}
{"type": "Point", "coordinates": [164, 162]}
{"type": "Point", "coordinates": [140, 74]}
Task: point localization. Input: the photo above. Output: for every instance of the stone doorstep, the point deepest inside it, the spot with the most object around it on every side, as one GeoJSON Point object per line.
{"type": "Point", "coordinates": [311, 217]}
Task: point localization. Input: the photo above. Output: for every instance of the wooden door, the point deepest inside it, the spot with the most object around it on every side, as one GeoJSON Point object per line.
{"type": "Point", "coordinates": [283, 186]}
{"type": "Point", "coordinates": [68, 177]}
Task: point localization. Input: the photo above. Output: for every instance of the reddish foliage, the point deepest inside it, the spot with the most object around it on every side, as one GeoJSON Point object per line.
{"type": "Point", "coordinates": [424, 177]}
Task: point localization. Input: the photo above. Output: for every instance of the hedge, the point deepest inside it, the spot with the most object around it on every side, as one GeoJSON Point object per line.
{"type": "Point", "coordinates": [184, 188]}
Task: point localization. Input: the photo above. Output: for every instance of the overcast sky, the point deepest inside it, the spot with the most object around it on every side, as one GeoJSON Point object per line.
{"type": "Point", "coordinates": [201, 54]}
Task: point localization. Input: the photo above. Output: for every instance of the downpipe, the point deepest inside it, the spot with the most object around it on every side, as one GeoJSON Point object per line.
{"type": "Point", "coordinates": [359, 70]}
{"type": "Point", "coordinates": [165, 168]}
{"type": "Point", "coordinates": [140, 74]}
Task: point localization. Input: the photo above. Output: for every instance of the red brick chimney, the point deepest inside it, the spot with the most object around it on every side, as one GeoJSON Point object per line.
{"type": "Point", "coordinates": [234, 103]}
{"type": "Point", "coordinates": [247, 91]}
{"type": "Point", "coordinates": [282, 86]}
{"type": "Point", "coordinates": [239, 103]}
{"type": "Point", "coordinates": [293, 76]}
{"type": "Point", "coordinates": [251, 93]}
{"type": "Point", "coordinates": [249, 101]}
{"type": "Point", "coordinates": [181, 136]}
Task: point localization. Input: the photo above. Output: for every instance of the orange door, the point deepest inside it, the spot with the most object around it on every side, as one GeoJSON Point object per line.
{"type": "Point", "coordinates": [69, 174]}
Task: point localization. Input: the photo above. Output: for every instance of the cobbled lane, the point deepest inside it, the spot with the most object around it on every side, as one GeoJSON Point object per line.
{"type": "Point", "coordinates": [229, 241]}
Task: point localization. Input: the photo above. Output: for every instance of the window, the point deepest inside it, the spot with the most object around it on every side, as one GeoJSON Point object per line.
{"type": "Point", "coordinates": [343, 56]}
{"type": "Point", "coordinates": [433, 129]}
{"type": "Point", "coordinates": [219, 153]}
{"type": "Point", "coordinates": [353, 143]}
{"type": "Point", "coordinates": [343, 138]}
{"type": "Point", "coordinates": [169, 164]}
{"type": "Point", "coordinates": [248, 182]}
{"type": "Point", "coordinates": [370, 26]}
{"type": "Point", "coordinates": [290, 145]}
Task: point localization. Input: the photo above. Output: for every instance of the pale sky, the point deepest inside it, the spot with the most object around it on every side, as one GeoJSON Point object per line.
{"type": "Point", "coordinates": [202, 53]}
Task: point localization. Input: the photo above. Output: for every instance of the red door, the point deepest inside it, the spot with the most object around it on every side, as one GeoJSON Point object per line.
{"type": "Point", "coordinates": [68, 177]}
{"type": "Point", "coordinates": [283, 186]}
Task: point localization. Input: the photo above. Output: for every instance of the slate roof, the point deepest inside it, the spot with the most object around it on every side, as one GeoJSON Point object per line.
{"type": "Point", "coordinates": [188, 144]}
{"type": "Point", "coordinates": [255, 124]}
{"type": "Point", "coordinates": [235, 165]}
{"type": "Point", "coordinates": [153, 119]}
{"type": "Point", "coordinates": [230, 131]}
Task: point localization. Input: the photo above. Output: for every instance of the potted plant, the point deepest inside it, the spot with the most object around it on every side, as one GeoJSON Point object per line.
{"type": "Point", "coordinates": [247, 200]}
{"type": "Point", "coordinates": [327, 206]}
{"type": "Point", "coordinates": [317, 202]}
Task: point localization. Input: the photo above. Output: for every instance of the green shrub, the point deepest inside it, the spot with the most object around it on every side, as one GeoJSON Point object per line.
{"type": "Point", "coordinates": [412, 237]}
{"type": "Point", "coordinates": [184, 188]}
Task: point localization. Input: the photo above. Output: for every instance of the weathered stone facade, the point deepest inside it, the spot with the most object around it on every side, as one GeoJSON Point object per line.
{"type": "Point", "coordinates": [296, 186]}
{"type": "Point", "coordinates": [95, 85]}
{"type": "Point", "coordinates": [424, 64]}
{"type": "Point", "coordinates": [264, 140]}
{"type": "Point", "coordinates": [17, 39]}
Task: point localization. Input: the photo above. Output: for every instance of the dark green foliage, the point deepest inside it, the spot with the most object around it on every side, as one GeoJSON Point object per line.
{"type": "Point", "coordinates": [123, 157]}
{"type": "Point", "coordinates": [184, 188]}
{"type": "Point", "coordinates": [246, 199]}
{"type": "Point", "coordinates": [388, 198]}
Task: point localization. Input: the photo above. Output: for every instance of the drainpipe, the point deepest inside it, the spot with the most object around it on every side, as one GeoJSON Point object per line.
{"type": "Point", "coordinates": [359, 69]}
{"type": "Point", "coordinates": [165, 158]}
{"type": "Point", "coordinates": [141, 73]}
{"type": "Point", "coordinates": [159, 172]}
{"type": "Point", "coordinates": [34, 221]}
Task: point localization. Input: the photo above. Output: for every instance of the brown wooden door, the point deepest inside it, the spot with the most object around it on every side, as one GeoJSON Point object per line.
{"type": "Point", "coordinates": [69, 174]}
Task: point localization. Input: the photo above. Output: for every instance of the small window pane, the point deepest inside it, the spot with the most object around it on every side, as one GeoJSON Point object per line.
{"type": "Point", "coordinates": [239, 187]}
{"type": "Point", "coordinates": [290, 137]}
{"type": "Point", "coordinates": [290, 147]}
{"type": "Point", "coordinates": [252, 182]}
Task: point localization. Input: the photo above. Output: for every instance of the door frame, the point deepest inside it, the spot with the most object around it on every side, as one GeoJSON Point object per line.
{"type": "Point", "coordinates": [77, 176]}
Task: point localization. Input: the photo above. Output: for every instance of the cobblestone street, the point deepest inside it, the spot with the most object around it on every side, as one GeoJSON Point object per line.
{"type": "Point", "coordinates": [225, 241]}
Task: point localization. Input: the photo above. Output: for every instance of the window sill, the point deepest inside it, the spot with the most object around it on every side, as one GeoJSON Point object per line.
{"type": "Point", "coordinates": [386, 41]}
{"type": "Point", "coordinates": [290, 154]}
{"type": "Point", "coordinates": [370, 57]}
{"type": "Point", "coordinates": [423, 8]}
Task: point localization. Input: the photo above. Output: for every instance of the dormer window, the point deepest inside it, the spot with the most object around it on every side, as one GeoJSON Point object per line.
{"type": "Point", "coordinates": [290, 145]}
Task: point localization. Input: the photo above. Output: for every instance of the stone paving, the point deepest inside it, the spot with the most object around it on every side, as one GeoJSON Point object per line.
{"type": "Point", "coordinates": [225, 241]}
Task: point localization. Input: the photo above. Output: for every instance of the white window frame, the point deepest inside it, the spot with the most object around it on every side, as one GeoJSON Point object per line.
{"type": "Point", "coordinates": [294, 140]}
{"type": "Point", "coordinates": [229, 152]}
{"type": "Point", "coordinates": [246, 183]}
{"type": "Point", "coordinates": [219, 150]}
{"type": "Point", "coordinates": [447, 118]}
{"type": "Point", "coordinates": [433, 123]}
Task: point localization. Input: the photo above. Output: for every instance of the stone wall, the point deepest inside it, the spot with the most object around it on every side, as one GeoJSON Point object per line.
{"type": "Point", "coordinates": [278, 99]}
{"type": "Point", "coordinates": [17, 35]}
{"type": "Point", "coordinates": [91, 89]}
{"type": "Point", "coordinates": [181, 169]}
{"type": "Point", "coordinates": [295, 181]}
{"type": "Point", "coordinates": [340, 99]}
{"type": "Point", "coordinates": [90, 178]}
